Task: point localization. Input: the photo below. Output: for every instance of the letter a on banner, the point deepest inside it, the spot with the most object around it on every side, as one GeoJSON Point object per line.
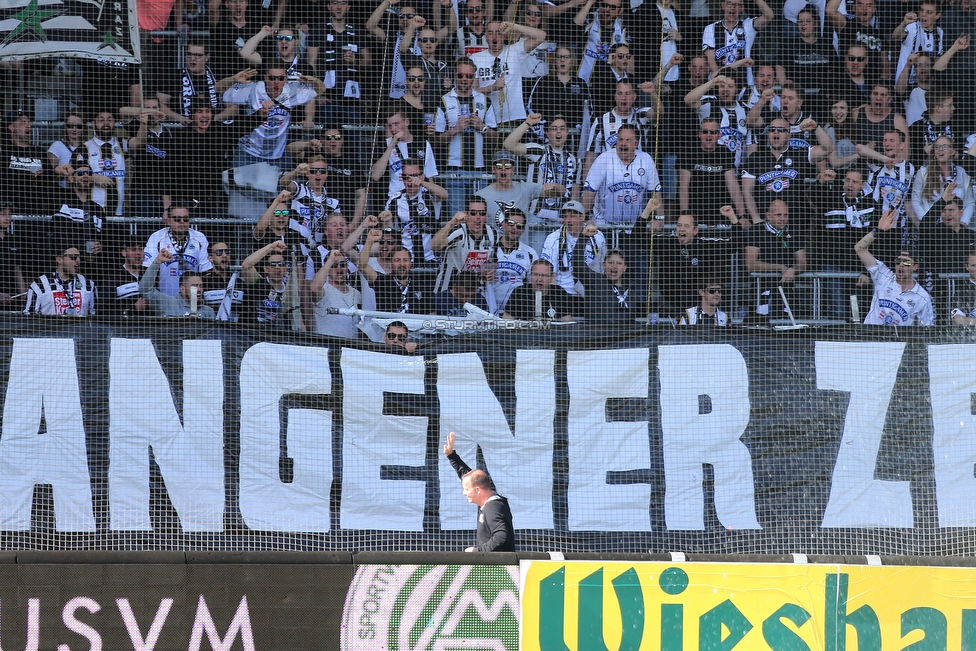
{"type": "Point", "coordinates": [57, 457]}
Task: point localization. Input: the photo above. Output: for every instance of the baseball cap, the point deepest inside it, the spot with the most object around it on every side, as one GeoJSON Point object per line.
{"type": "Point", "coordinates": [575, 206]}
{"type": "Point", "coordinates": [504, 154]}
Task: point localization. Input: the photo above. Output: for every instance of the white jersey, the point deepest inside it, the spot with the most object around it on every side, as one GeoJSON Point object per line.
{"type": "Point", "coordinates": [312, 209]}
{"type": "Point", "coordinates": [511, 269]}
{"type": "Point", "coordinates": [732, 124]}
{"type": "Point", "coordinates": [558, 250]}
{"type": "Point", "coordinates": [403, 151]}
{"type": "Point", "coordinates": [268, 140]}
{"type": "Point", "coordinates": [604, 136]}
{"type": "Point", "coordinates": [731, 45]}
{"type": "Point", "coordinates": [892, 306]}
{"type": "Point", "coordinates": [511, 61]}
{"type": "Point", "coordinates": [464, 253]}
{"type": "Point", "coordinates": [919, 40]}
{"type": "Point", "coordinates": [595, 50]}
{"type": "Point", "coordinates": [107, 158]}
{"type": "Point", "coordinates": [52, 296]}
{"type": "Point", "coordinates": [696, 316]}
{"type": "Point", "coordinates": [621, 189]}
{"type": "Point", "coordinates": [189, 255]}
{"type": "Point", "coordinates": [891, 187]}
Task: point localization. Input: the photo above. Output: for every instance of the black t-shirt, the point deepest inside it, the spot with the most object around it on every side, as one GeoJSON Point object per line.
{"type": "Point", "coordinates": [841, 225]}
{"type": "Point", "coordinates": [391, 296]}
{"type": "Point", "coordinates": [774, 248]}
{"type": "Point", "coordinates": [680, 271]}
{"type": "Point", "coordinates": [556, 304]}
{"type": "Point", "coordinates": [118, 292]}
{"type": "Point", "coordinates": [226, 43]}
{"type": "Point", "coordinates": [707, 190]}
{"type": "Point", "coordinates": [347, 175]}
{"type": "Point", "coordinates": [264, 305]}
{"type": "Point", "coordinates": [943, 250]}
{"type": "Point", "coordinates": [200, 159]}
{"type": "Point", "coordinates": [335, 72]}
{"type": "Point", "coordinates": [31, 191]}
{"type": "Point", "coordinates": [11, 255]}
{"type": "Point", "coordinates": [152, 164]}
{"type": "Point", "coordinates": [809, 65]}
{"type": "Point", "coordinates": [548, 93]}
{"type": "Point", "coordinates": [778, 178]}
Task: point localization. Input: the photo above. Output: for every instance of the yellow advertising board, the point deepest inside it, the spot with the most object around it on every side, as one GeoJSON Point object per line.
{"type": "Point", "coordinates": [610, 606]}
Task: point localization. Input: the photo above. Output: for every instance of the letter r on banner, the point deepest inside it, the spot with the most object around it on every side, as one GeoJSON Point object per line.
{"type": "Point", "coordinates": [693, 435]}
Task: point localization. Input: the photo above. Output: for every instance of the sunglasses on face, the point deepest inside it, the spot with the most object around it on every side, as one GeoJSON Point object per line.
{"type": "Point", "coordinates": [82, 172]}
{"type": "Point", "coordinates": [277, 263]}
{"type": "Point", "coordinates": [72, 256]}
{"type": "Point", "coordinates": [407, 16]}
{"type": "Point", "coordinates": [515, 224]}
{"type": "Point", "coordinates": [282, 213]}
{"type": "Point", "coordinates": [276, 77]}
{"type": "Point", "coordinates": [607, 5]}
{"type": "Point", "coordinates": [533, 13]}
{"type": "Point", "coordinates": [857, 59]}
{"type": "Point", "coordinates": [478, 212]}
{"type": "Point", "coordinates": [415, 78]}
{"type": "Point", "coordinates": [396, 336]}
{"type": "Point", "coordinates": [341, 265]}
{"type": "Point", "coordinates": [181, 220]}
{"type": "Point", "coordinates": [333, 136]}
{"type": "Point", "coordinates": [778, 129]}
{"type": "Point", "coordinates": [74, 125]}
{"type": "Point", "coordinates": [427, 39]}
{"type": "Point", "coordinates": [714, 290]}
{"type": "Point", "coordinates": [317, 170]}
{"type": "Point", "coordinates": [907, 263]}
{"type": "Point", "coordinates": [221, 252]}
{"type": "Point", "coordinates": [464, 76]}
{"type": "Point", "coordinates": [279, 37]}
{"type": "Point", "coordinates": [504, 165]}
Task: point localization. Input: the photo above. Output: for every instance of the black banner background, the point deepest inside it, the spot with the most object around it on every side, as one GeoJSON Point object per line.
{"type": "Point", "coordinates": [793, 437]}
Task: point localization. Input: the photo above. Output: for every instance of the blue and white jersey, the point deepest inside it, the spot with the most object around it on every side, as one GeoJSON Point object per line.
{"type": "Point", "coordinates": [621, 189]}
{"type": "Point", "coordinates": [892, 306]}
{"type": "Point", "coordinates": [189, 255]}
{"type": "Point", "coordinates": [511, 270]}
{"type": "Point", "coordinates": [731, 45]}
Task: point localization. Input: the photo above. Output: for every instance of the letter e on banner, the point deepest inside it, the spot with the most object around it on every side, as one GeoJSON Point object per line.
{"type": "Point", "coordinates": [951, 387]}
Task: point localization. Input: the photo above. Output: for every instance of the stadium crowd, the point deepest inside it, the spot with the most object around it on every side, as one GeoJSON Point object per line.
{"type": "Point", "coordinates": [555, 159]}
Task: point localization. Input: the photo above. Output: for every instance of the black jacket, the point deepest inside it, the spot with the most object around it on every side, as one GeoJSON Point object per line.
{"type": "Point", "coordinates": [495, 530]}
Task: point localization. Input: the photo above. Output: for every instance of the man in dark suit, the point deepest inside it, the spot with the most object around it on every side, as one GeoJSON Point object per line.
{"type": "Point", "coordinates": [495, 531]}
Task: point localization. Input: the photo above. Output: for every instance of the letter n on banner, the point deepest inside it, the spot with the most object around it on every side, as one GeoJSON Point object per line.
{"type": "Point", "coordinates": [189, 452]}
{"type": "Point", "coordinates": [471, 410]}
